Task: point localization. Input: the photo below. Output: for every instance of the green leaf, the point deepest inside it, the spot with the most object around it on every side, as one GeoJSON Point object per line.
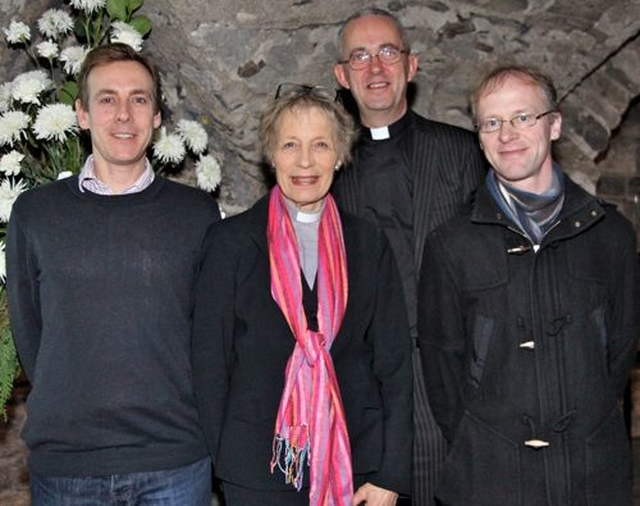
{"type": "Point", "coordinates": [69, 92]}
{"type": "Point", "coordinates": [134, 5]}
{"type": "Point", "coordinates": [9, 365]}
{"type": "Point", "coordinates": [117, 9]}
{"type": "Point", "coordinates": [142, 24]}
{"type": "Point", "coordinates": [79, 30]}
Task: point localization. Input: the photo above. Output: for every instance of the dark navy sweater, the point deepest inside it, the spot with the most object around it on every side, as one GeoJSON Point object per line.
{"type": "Point", "coordinates": [100, 295]}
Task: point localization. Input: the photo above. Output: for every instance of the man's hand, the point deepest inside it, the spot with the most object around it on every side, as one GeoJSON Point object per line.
{"type": "Point", "coordinates": [374, 496]}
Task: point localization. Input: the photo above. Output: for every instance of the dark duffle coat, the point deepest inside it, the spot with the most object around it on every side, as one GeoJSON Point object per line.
{"type": "Point", "coordinates": [526, 354]}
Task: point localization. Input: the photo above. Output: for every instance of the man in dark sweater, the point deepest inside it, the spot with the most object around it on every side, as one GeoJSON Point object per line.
{"type": "Point", "coordinates": [100, 270]}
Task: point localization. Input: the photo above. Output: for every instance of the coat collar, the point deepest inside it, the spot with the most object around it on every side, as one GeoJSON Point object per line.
{"type": "Point", "coordinates": [580, 211]}
{"type": "Point", "coordinates": [258, 218]}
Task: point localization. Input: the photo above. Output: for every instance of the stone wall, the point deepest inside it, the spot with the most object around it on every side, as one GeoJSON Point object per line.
{"type": "Point", "coordinates": [222, 61]}
{"type": "Point", "coordinates": [227, 58]}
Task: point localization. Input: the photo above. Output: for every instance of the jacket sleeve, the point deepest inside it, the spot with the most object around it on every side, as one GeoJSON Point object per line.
{"type": "Point", "coordinates": [441, 337]}
{"type": "Point", "coordinates": [23, 292]}
{"type": "Point", "coordinates": [624, 328]}
{"type": "Point", "coordinates": [392, 364]}
{"type": "Point", "coordinates": [212, 339]}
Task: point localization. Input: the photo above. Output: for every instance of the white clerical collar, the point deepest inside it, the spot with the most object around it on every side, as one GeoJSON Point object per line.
{"type": "Point", "coordinates": [301, 216]}
{"type": "Point", "coordinates": [380, 133]}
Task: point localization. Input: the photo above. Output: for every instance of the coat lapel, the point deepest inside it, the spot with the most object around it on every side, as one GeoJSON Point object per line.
{"type": "Point", "coordinates": [422, 181]}
{"type": "Point", "coordinates": [258, 228]}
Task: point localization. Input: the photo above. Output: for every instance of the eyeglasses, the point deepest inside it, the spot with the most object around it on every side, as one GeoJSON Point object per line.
{"type": "Point", "coordinates": [519, 122]}
{"type": "Point", "coordinates": [388, 55]}
{"type": "Point", "coordinates": [285, 89]}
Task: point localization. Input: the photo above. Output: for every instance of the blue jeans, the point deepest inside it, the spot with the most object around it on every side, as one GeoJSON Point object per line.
{"type": "Point", "coordinates": [185, 486]}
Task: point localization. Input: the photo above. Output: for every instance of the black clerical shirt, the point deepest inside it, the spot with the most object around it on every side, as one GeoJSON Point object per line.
{"type": "Point", "coordinates": [385, 196]}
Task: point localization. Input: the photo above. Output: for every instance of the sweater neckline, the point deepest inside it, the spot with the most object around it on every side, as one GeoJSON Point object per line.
{"type": "Point", "coordinates": [125, 199]}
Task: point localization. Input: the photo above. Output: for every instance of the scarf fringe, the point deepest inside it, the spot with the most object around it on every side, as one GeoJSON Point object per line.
{"type": "Point", "coordinates": [290, 459]}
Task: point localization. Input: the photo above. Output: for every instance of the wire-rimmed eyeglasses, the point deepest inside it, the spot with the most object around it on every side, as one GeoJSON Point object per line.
{"type": "Point", "coordinates": [519, 122]}
{"type": "Point", "coordinates": [387, 55]}
{"type": "Point", "coordinates": [285, 89]}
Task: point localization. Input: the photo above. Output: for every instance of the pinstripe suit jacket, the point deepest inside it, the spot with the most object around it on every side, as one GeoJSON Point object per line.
{"type": "Point", "coordinates": [446, 166]}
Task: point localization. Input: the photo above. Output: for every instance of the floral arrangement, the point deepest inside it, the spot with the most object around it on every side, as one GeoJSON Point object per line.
{"type": "Point", "coordinates": [39, 134]}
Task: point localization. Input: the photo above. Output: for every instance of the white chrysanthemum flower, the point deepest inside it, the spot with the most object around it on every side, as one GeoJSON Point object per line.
{"type": "Point", "coordinates": [126, 34]}
{"type": "Point", "coordinates": [13, 125]}
{"type": "Point", "coordinates": [9, 192]}
{"type": "Point", "coordinates": [27, 86]}
{"type": "Point", "coordinates": [168, 148]}
{"type": "Point", "coordinates": [54, 122]}
{"type": "Point", "coordinates": [17, 33]}
{"type": "Point", "coordinates": [47, 49]}
{"type": "Point", "coordinates": [208, 174]}
{"type": "Point", "coordinates": [10, 163]}
{"type": "Point", "coordinates": [55, 23]}
{"type": "Point", "coordinates": [88, 6]}
{"type": "Point", "coordinates": [193, 134]}
{"type": "Point", "coordinates": [6, 97]}
{"type": "Point", "coordinates": [3, 263]}
{"type": "Point", "coordinates": [72, 58]}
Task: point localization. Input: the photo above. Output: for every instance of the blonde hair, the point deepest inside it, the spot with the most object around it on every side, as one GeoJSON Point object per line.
{"type": "Point", "coordinates": [497, 76]}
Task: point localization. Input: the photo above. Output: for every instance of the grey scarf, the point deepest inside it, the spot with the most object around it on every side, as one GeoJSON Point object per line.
{"type": "Point", "coordinates": [534, 213]}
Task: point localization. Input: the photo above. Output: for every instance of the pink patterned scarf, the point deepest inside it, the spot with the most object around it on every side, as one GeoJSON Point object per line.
{"type": "Point", "coordinates": [311, 424]}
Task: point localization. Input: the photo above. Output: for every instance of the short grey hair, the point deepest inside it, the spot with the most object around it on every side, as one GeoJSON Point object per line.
{"type": "Point", "coordinates": [373, 11]}
{"type": "Point", "coordinates": [304, 98]}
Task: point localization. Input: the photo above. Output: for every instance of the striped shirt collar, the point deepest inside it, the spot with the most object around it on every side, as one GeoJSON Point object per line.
{"type": "Point", "coordinates": [87, 180]}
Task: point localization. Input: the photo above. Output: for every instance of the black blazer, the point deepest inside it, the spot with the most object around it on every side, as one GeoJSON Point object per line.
{"type": "Point", "coordinates": [242, 342]}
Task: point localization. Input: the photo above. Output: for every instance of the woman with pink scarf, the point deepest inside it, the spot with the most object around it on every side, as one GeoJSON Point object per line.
{"type": "Point", "coordinates": [301, 349]}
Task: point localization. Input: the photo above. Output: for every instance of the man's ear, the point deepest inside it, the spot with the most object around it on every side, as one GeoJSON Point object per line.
{"type": "Point", "coordinates": [82, 115]}
{"type": "Point", "coordinates": [341, 75]}
{"type": "Point", "coordinates": [413, 67]}
{"type": "Point", "coordinates": [556, 126]}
